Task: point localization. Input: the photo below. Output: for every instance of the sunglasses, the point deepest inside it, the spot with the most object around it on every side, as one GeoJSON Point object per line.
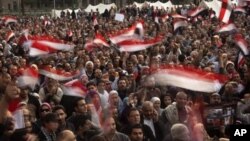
{"type": "Point", "coordinates": [44, 110]}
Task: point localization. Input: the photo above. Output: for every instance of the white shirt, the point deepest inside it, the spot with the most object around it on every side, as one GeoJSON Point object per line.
{"type": "Point", "coordinates": [150, 124]}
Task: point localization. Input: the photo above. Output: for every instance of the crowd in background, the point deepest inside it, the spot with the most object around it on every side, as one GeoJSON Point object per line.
{"type": "Point", "coordinates": [121, 103]}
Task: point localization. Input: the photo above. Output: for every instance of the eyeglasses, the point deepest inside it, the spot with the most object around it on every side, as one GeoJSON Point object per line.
{"type": "Point", "coordinates": [44, 110]}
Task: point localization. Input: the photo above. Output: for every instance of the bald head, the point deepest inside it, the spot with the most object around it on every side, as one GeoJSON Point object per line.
{"type": "Point", "coordinates": [148, 109]}
{"type": "Point", "coordinates": [66, 135]}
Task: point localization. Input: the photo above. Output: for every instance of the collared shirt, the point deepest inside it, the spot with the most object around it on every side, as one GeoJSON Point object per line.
{"type": "Point", "coordinates": [48, 136]}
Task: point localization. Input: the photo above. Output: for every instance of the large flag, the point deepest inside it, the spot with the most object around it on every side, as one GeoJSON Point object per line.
{"type": "Point", "coordinates": [227, 28]}
{"type": "Point", "coordinates": [225, 11]}
{"type": "Point", "coordinates": [56, 74]}
{"type": "Point", "coordinates": [188, 78]}
{"type": "Point", "coordinates": [137, 45]}
{"type": "Point", "coordinates": [242, 44]}
{"type": "Point", "coordinates": [39, 45]}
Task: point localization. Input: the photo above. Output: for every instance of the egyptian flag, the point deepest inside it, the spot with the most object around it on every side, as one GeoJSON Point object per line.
{"type": "Point", "coordinates": [100, 40]}
{"type": "Point", "coordinates": [195, 12]}
{"type": "Point", "coordinates": [7, 19]}
{"type": "Point", "coordinates": [9, 36]}
{"type": "Point", "coordinates": [179, 23]}
{"type": "Point", "coordinates": [40, 45]}
{"type": "Point", "coordinates": [188, 78]}
{"type": "Point", "coordinates": [178, 16]}
{"type": "Point", "coordinates": [240, 60]}
{"type": "Point", "coordinates": [239, 10]}
{"type": "Point", "coordinates": [28, 78]}
{"type": "Point", "coordinates": [75, 88]}
{"type": "Point", "coordinates": [242, 44]}
{"type": "Point", "coordinates": [134, 32]}
{"type": "Point", "coordinates": [56, 74]}
{"type": "Point", "coordinates": [138, 45]}
{"type": "Point", "coordinates": [227, 28]}
{"type": "Point", "coordinates": [89, 46]}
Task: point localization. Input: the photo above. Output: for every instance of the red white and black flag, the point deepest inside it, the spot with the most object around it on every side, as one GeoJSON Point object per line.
{"type": "Point", "coordinates": [242, 44]}
{"type": "Point", "coordinates": [188, 78]}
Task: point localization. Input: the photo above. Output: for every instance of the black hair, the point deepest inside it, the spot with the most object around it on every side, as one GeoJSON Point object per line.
{"type": "Point", "coordinates": [50, 117]}
{"type": "Point", "coordinates": [136, 126]}
{"type": "Point", "coordinates": [80, 120]}
{"type": "Point", "coordinates": [59, 107]}
{"type": "Point", "coordinates": [90, 83]}
{"type": "Point", "coordinates": [77, 100]}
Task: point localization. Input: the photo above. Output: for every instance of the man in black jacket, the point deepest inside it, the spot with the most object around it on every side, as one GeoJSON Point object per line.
{"type": "Point", "coordinates": [133, 119]}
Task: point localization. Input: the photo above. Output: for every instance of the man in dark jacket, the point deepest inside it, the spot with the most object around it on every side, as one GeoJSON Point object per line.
{"type": "Point", "coordinates": [133, 119]}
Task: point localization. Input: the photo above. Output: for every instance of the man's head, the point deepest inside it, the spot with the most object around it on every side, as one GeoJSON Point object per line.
{"type": "Point", "coordinates": [114, 98]}
{"type": "Point", "coordinates": [181, 99]}
{"type": "Point", "coordinates": [89, 66]}
{"type": "Point", "coordinates": [247, 97]}
{"type": "Point", "coordinates": [80, 106]}
{"type": "Point", "coordinates": [50, 122]}
{"type": "Point", "coordinates": [9, 124]}
{"type": "Point", "coordinates": [66, 135]}
{"type": "Point", "coordinates": [122, 84]}
{"type": "Point", "coordinates": [215, 98]}
{"type": "Point", "coordinates": [59, 110]}
{"type": "Point", "coordinates": [134, 116]}
{"type": "Point", "coordinates": [83, 123]}
{"type": "Point", "coordinates": [136, 133]}
{"type": "Point", "coordinates": [148, 109]}
{"type": "Point", "coordinates": [91, 86]}
{"type": "Point", "coordinates": [12, 91]}
{"type": "Point", "coordinates": [109, 125]}
{"type": "Point", "coordinates": [101, 85]}
{"type": "Point", "coordinates": [180, 132]}
{"type": "Point", "coordinates": [98, 73]}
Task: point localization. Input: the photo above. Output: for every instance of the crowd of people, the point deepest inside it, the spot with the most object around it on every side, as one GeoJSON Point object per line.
{"type": "Point", "coordinates": [121, 102]}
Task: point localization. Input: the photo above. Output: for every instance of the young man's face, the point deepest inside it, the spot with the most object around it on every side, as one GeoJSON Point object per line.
{"type": "Point", "coordinates": [136, 134]}
{"type": "Point", "coordinates": [51, 126]}
{"type": "Point", "coordinates": [61, 115]}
